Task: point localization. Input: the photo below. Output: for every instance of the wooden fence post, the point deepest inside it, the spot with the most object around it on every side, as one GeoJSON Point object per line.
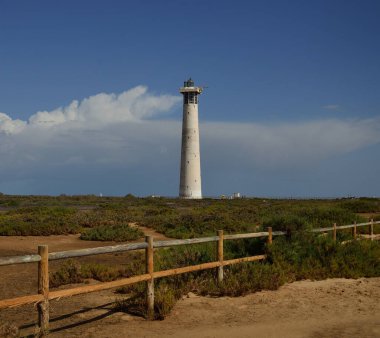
{"type": "Point", "coordinates": [270, 237]}
{"type": "Point", "coordinates": [371, 229]}
{"type": "Point", "coordinates": [43, 289]}
{"type": "Point", "coordinates": [334, 232]}
{"type": "Point", "coordinates": [354, 231]}
{"type": "Point", "coordinates": [220, 255]}
{"type": "Point", "coordinates": [150, 283]}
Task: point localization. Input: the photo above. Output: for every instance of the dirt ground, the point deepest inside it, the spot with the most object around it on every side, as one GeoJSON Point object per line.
{"type": "Point", "coordinates": [330, 308]}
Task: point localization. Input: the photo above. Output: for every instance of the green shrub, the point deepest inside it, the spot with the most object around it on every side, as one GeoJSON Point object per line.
{"type": "Point", "coordinates": [68, 273]}
{"type": "Point", "coordinates": [119, 233]}
{"type": "Point", "coordinates": [101, 272]}
{"type": "Point", "coordinates": [303, 256]}
{"type": "Point", "coordinates": [243, 247]}
{"type": "Point", "coordinates": [362, 205]}
{"type": "Point", "coordinates": [40, 215]}
{"type": "Point", "coordinates": [306, 218]}
{"type": "Point", "coordinates": [317, 257]}
{"type": "Point", "coordinates": [180, 256]}
{"type": "Point", "coordinates": [289, 223]}
{"type": "Point", "coordinates": [39, 221]}
{"type": "Point", "coordinates": [245, 278]}
{"type": "Point", "coordinates": [71, 271]}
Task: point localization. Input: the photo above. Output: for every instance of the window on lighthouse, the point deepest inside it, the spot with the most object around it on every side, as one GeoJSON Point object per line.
{"type": "Point", "coordinates": [190, 98]}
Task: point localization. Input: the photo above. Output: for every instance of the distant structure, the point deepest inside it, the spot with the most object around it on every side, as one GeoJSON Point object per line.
{"type": "Point", "coordinates": [190, 181]}
{"type": "Point", "coordinates": [236, 195]}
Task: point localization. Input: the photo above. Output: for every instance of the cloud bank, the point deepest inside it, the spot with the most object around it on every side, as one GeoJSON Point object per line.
{"type": "Point", "coordinates": [98, 110]}
{"type": "Point", "coordinates": [124, 143]}
{"type": "Point", "coordinates": [292, 144]}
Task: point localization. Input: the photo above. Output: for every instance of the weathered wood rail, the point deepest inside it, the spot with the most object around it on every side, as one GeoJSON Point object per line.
{"type": "Point", "coordinates": [43, 257]}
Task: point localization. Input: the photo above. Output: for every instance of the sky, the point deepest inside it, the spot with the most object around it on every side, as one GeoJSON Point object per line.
{"type": "Point", "coordinates": [90, 103]}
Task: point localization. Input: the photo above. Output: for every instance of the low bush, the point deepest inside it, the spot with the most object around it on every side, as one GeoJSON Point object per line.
{"type": "Point", "coordinates": [166, 295]}
{"type": "Point", "coordinates": [71, 271]}
{"type": "Point", "coordinates": [361, 205]}
{"type": "Point", "coordinates": [303, 256]}
{"type": "Point", "coordinates": [289, 223]}
{"type": "Point", "coordinates": [47, 215]}
{"type": "Point", "coordinates": [119, 233]}
{"type": "Point", "coordinates": [68, 273]}
{"type": "Point", "coordinates": [39, 221]}
{"type": "Point", "coordinates": [304, 219]}
{"type": "Point", "coordinates": [245, 278]}
{"type": "Point", "coordinates": [311, 256]}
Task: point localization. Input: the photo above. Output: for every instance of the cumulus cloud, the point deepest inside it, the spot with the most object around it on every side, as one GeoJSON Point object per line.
{"type": "Point", "coordinates": [9, 126]}
{"type": "Point", "coordinates": [98, 110]}
{"type": "Point", "coordinates": [117, 138]}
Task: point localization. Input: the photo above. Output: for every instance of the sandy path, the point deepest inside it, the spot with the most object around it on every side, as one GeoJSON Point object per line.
{"type": "Point", "coordinates": [331, 308]}
{"type": "Point", "coordinates": [18, 245]}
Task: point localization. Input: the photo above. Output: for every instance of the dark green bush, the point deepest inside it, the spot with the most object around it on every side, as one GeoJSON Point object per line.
{"type": "Point", "coordinates": [119, 233]}
{"type": "Point", "coordinates": [288, 223]}
{"type": "Point", "coordinates": [68, 273]}
{"type": "Point", "coordinates": [303, 256]}
{"type": "Point", "coordinates": [71, 271]}
{"type": "Point", "coordinates": [173, 217]}
{"type": "Point", "coordinates": [245, 278]}
{"type": "Point", "coordinates": [317, 257]}
{"type": "Point", "coordinates": [39, 221]}
{"type": "Point", "coordinates": [306, 218]}
{"type": "Point", "coordinates": [362, 205]}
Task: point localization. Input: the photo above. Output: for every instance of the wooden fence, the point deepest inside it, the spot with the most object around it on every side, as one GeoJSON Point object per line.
{"type": "Point", "coordinates": [43, 257]}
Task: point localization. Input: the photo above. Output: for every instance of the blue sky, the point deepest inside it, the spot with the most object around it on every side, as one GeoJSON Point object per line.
{"type": "Point", "coordinates": [292, 106]}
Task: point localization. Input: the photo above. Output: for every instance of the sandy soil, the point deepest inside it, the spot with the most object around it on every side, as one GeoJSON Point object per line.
{"type": "Point", "coordinates": [21, 279]}
{"type": "Point", "coordinates": [331, 308]}
{"type": "Point", "coordinates": [19, 245]}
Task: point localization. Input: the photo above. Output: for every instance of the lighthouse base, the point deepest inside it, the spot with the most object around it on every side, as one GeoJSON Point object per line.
{"type": "Point", "coordinates": [190, 195]}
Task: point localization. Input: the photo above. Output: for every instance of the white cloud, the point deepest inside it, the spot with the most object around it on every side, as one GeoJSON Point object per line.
{"type": "Point", "coordinates": [294, 144]}
{"type": "Point", "coordinates": [109, 132]}
{"type": "Point", "coordinates": [98, 110]}
{"type": "Point", "coordinates": [9, 126]}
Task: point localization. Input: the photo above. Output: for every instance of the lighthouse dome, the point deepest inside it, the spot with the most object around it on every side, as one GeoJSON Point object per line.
{"type": "Point", "coordinates": [189, 83]}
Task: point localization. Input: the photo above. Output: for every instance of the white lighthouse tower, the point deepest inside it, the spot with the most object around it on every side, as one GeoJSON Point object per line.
{"type": "Point", "coordinates": [190, 181]}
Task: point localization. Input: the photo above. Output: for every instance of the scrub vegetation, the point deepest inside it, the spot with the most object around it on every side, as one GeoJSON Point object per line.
{"type": "Point", "coordinates": [108, 218]}
{"type": "Point", "coordinates": [303, 256]}
{"type": "Point", "coordinates": [72, 271]}
{"type": "Point", "coordinates": [300, 255]}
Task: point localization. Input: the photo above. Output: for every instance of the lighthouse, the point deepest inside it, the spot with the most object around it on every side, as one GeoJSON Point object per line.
{"type": "Point", "coordinates": [190, 179]}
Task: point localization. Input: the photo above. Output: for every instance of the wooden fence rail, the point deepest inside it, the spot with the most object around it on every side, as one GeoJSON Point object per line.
{"type": "Point", "coordinates": [43, 257]}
